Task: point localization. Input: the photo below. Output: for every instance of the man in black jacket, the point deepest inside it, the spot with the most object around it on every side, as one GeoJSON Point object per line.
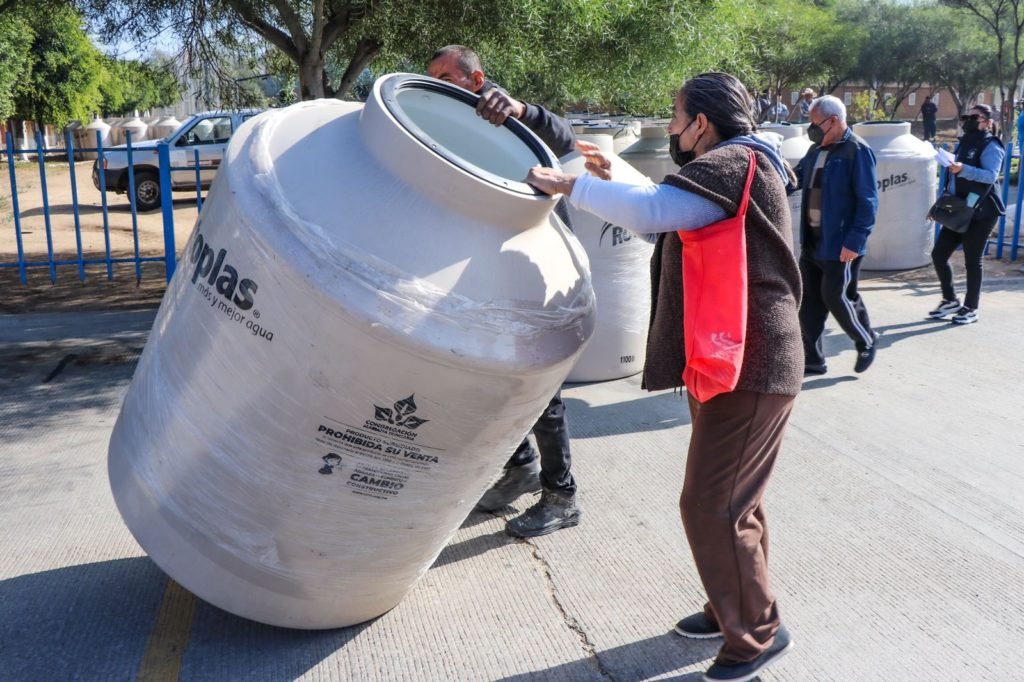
{"type": "Point", "coordinates": [557, 507]}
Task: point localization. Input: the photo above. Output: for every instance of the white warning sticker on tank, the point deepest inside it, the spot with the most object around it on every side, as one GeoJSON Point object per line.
{"type": "Point", "coordinates": [376, 482]}
{"type": "Point", "coordinates": [384, 440]}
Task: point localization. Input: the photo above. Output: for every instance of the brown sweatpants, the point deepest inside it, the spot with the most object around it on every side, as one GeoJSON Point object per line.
{"type": "Point", "coordinates": [735, 439]}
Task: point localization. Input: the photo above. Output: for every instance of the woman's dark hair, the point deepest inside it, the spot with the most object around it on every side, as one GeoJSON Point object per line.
{"type": "Point", "coordinates": [723, 99]}
{"type": "Point", "coordinates": [986, 109]}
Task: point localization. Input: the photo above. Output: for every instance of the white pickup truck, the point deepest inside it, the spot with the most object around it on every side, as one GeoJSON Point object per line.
{"type": "Point", "coordinates": [208, 133]}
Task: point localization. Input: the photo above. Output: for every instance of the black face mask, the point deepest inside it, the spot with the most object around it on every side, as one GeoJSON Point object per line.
{"type": "Point", "coordinates": [970, 126]}
{"type": "Point", "coordinates": [816, 133]}
{"type": "Point", "coordinates": [679, 157]}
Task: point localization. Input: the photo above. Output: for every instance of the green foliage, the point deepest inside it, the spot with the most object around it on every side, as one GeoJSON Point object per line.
{"type": "Point", "coordinates": [866, 106]}
{"type": "Point", "coordinates": [964, 60]}
{"type": "Point", "coordinates": [15, 41]}
{"type": "Point", "coordinates": [793, 43]}
{"type": "Point", "coordinates": [63, 81]}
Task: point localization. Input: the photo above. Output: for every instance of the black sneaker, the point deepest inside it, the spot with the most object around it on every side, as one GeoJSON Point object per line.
{"type": "Point", "coordinates": [515, 481]}
{"type": "Point", "coordinates": [697, 626]}
{"type": "Point", "coordinates": [741, 672]}
{"type": "Point", "coordinates": [965, 316]}
{"type": "Point", "coordinates": [865, 356]}
{"type": "Point", "coordinates": [552, 512]}
{"type": "Point", "coordinates": [945, 308]}
{"type": "Point", "coordinates": [814, 370]}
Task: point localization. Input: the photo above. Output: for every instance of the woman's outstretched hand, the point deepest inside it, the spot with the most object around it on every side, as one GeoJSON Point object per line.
{"type": "Point", "coordinates": [599, 165]}
{"type": "Point", "coordinates": [551, 180]}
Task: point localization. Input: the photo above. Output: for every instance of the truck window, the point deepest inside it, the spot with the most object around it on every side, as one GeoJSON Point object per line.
{"type": "Point", "coordinates": [216, 130]}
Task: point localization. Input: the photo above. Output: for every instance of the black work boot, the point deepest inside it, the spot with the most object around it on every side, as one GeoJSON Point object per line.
{"type": "Point", "coordinates": [552, 512]}
{"type": "Point", "coordinates": [515, 481]}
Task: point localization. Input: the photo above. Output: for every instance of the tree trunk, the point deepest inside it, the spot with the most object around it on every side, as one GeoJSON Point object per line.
{"type": "Point", "coordinates": [311, 77]}
{"type": "Point", "coordinates": [366, 51]}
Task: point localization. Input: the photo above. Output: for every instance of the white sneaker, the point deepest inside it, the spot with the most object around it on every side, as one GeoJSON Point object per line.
{"type": "Point", "coordinates": [965, 316]}
{"type": "Point", "coordinates": [945, 308]}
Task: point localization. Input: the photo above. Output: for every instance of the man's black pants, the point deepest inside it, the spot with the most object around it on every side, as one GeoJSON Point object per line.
{"type": "Point", "coordinates": [552, 434]}
{"type": "Point", "coordinates": [830, 286]}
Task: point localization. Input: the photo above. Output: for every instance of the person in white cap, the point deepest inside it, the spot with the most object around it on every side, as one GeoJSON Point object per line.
{"type": "Point", "coordinates": [806, 97]}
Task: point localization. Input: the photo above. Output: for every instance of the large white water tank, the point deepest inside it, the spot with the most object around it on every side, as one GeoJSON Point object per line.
{"type": "Point", "coordinates": [163, 127]}
{"type": "Point", "coordinates": [74, 131]}
{"type": "Point", "coordinates": [135, 126]}
{"type": "Point", "coordinates": [97, 125]}
{"type": "Point", "coordinates": [649, 154]}
{"type": "Point", "coordinates": [620, 270]}
{"type": "Point", "coordinates": [795, 144]}
{"type": "Point", "coordinates": [372, 311]}
{"type": "Point", "coordinates": [623, 133]}
{"type": "Point", "coordinates": [902, 237]}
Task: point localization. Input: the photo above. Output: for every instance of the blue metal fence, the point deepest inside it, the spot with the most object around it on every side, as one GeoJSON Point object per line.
{"type": "Point", "coordinates": [54, 259]}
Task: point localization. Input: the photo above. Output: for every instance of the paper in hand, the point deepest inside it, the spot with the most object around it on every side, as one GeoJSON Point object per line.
{"type": "Point", "coordinates": [944, 157]}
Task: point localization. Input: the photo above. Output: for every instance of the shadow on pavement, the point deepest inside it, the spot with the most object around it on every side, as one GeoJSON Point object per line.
{"type": "Point", "coordinates": [467, 549]}
{"type": "Point", "coordinates": [51, 384]}
{"type": "Point", "coordinates": [94, 621]}
{"type": "Point", "coordinates": [641, 660]}
{"type": "Point", "coordinates": [646, 413]}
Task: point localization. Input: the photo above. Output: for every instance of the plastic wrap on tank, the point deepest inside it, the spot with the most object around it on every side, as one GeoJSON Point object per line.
{"type": "Point", "coordinates": [371, 312]}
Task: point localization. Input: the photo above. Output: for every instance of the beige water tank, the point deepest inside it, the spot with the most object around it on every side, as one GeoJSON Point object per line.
{"type": "Point", "coordinates": [372, 311]}
{"type": "Point", "coordinates": [135, 126]}
{"type": "Point", "coordinates": [649, 154]}
{"type": "Point", "coordinates": [75, 131]}
{"type": "Point", "coordinates": [100, 127]}
{"type": "Point", "coordinates": [164, 126]}
{"type": "Point", "coordinates": [623, 133]}
{"type": "Point", "coordinates": [907, 183]}
{"type": "Point", "coordinates": [620, 270]}
{"type": "Point", "coordinates": [795, 144]}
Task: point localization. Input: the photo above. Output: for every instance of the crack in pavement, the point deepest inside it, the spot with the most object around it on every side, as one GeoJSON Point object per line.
{"type": "Point", "coordinates": [570, 622]}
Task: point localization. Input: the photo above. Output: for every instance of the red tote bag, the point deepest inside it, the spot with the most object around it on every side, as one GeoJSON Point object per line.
{"type": "Point", "coordinates": [715, 301]}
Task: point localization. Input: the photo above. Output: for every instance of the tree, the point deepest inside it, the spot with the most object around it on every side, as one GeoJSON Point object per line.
{"type": "Point", "coordinates": [15, 41]}
{"type": "Point", "coordinates": [63, 80]}
{"type": "Point", "coordinates": [620, 50]}
{"type": "Point", "coordinates": [791, 43]}
{"type": "Point", "coordinates": [1005, 19]}
{"type": "Point", "coordinates": [964, 61]}
{"type": "Point", "coordinates": [895, 49]}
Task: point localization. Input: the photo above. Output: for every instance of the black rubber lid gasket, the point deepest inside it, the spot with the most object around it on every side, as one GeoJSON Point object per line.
{"type": "Point", "coordinates": [394, 85]}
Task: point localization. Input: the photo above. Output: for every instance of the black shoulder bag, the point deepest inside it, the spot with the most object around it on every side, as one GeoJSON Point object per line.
{"type": "Point", "coordinates": [953, 213]}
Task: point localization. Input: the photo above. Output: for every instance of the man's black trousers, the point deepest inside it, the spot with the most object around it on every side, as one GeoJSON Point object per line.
{"type": "Point", "coordinates": [830, 286]}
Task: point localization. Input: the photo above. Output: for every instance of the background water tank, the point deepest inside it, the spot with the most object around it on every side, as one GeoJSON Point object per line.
{"type": "Point", "coordinates": [620, 270]}
{"type": "Point", "coordinates": [89, 137]}
{"type": "Point", "coordinates": [164, 126]}
{"type": "Point", "coordinates": [623, 133]}
{"type": "Point", "coordinates": [371, 312]}
{"type": "Point", "coordinates": [74, 131]}
{"type": "Point", "coordinates": [649, 154]}
{"type": "Point", "coordinates": [795, 144]}
{"type": "Point", "coordinates": [907, 183]}
{"type": "Point", "coordinates": [135, 125]}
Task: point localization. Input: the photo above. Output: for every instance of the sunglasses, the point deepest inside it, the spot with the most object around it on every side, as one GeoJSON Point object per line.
{"type": "Point", "coordinates": [972, 117]}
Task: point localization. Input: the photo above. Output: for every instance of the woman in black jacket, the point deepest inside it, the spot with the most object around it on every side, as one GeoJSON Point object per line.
{"type": "Point", "coordinates": [975, 177]}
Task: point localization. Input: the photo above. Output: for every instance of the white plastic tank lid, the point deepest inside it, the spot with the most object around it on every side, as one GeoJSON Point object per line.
{"type": "Point", "coordinates": [435, 113]}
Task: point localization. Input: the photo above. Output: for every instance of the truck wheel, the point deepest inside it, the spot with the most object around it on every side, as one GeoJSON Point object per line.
{"type": "Point", "coordinates": [147, 191]}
